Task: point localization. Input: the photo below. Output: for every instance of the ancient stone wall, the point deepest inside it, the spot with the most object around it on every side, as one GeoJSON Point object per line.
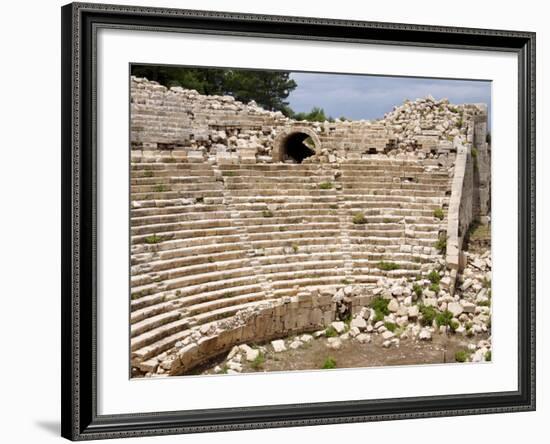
{"type": "Point", "coordinates": [308, 311]}
{"type": "Point", "coordinates": [186, 125]}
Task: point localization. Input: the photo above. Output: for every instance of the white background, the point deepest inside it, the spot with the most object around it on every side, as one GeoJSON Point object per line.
{"type": "Point", "coordinates": [30, 226]}
{"type": "Point", "coordinates": [118, 394]}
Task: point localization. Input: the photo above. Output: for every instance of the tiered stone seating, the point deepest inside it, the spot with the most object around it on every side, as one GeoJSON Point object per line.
{"type": "Point", "coordinates": [398, 200]}
{"type": "Point", "coordinates": [208, 240]}
{"type": "Point", "coordinates": [291, 221]}
{"type": "Point", "coordinates": [188, 263]}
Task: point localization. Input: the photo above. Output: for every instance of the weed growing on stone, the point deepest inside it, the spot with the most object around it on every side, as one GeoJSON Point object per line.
{"type": "Point", "coordinates": [325, 185]}
{"type": "Point", "coordinates": [441, 245]}
{"type": "Point", "coordinates": [258, 362]}
{"type": "Point", "coordinates": [329, 363]}
{"type": "Point", "coordinates": [387, 266]}
{"type": "Point", "coordinates": [331, 332]}
{"type": "Point", "coordinates": [444, 318]}
{"type": "Point", "coordinates": [417, 288]}
{"type": "Point", "coordinates": [462, 356]}
{"type": "Point", "coordinates": [439, 214]}
{"type": "Point", "coordinates": [267, 213]}
{"type": "Point", "coordinates": [359, 219]}
{"type": "Point", "coordinates": [153, 239]}
{"type": "Point", "coordinates": [390, 326]}
{"type": "Point", "coordinates": [428, 314]}
{"type": "Point", "coordinates": [434, 277]}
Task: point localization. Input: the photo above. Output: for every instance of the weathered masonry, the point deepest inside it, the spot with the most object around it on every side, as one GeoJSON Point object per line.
{"type": "Point", "coordinates": [244, 222]}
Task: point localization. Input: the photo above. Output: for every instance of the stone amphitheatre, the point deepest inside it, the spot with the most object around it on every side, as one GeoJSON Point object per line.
{"type": "Point", "coordinates": [252, 233]}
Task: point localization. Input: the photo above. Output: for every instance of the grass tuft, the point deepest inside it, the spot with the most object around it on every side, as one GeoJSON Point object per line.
{"type": "Point", "coordinates": [329, 363]}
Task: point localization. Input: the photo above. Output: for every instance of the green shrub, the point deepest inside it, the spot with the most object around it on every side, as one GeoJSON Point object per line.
{"type": "Point", "coordinates": [459, 123]}
{"type": "Point", "coordinates": [428, 314]}
{"type": "Point", "coordinates": [444, 318]}
{"type": "Point", "coordinates": [454, 325]}
{"type": "Point", "coordinates": [438, 212]}
{"type": "Point", "coordinates": [387, 266]}
{"type": "Point", "coordinates": [417, 289]}
{"type": "Point", "coordinates": [295, 248]}
{"type": "Point", "coordinates": [329, 363]}
{"type": "Point", "coordinates": [153, 239]}
{"type": "Point", "coordinates": [258, 362]}
{"type": "Point", "coordinates": [359, 219]}
{"type": "Point", "coordinates": [267, 213]}
{"type": "Point", "coordinates": [331, 332]}
{"type": "Point", "coordinates": [386, 220]}
{"type": "Point", "coordinates": [434, 288]}
{"type": "Point", "coordinates": [390, 326]}
{"type": "Point", "coordinates": [325, 185]}
{"type": "Point", "coordinates": [434, 277]}
{"type": "Point", "coordinates": [148, 173]}
{"type": "Point", "coordinates": [488, 356]}
{"type": "Point", "coordinates": [381, 305]}
{"type": "Point", "coordinates": [475, 153]}
{"type": "Point", "coordinates": [441, 245]}
{"type": "Point", "coordinates": [230, 174]}
{"type": "Point", "coordinates": [462, 356]}
{"type": "Point", "coordinates": [160, 189]}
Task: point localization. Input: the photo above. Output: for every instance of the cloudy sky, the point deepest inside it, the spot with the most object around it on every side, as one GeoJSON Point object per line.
{"type": "Point", "coordinates": [369, 97]}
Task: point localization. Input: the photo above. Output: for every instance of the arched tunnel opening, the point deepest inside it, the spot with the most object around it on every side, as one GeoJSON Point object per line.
{"type": "Point", "coordinates": [298, 146]}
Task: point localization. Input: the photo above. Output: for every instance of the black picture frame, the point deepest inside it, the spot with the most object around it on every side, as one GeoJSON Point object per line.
{"type": "Point", "coordinates": [80, 420]}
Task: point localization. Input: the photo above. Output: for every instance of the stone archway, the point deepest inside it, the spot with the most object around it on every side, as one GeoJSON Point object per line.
{"type": "Point", "coordinates": [297, 143]}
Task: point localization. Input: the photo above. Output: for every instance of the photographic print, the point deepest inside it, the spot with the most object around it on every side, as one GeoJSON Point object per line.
{"type": "Point", "coordinates": [286, 221]}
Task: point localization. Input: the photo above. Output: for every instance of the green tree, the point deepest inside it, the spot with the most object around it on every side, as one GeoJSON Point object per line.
{"type": "Point", "coordinates": [315, 115]}
{"type": "Point", "coordinates": [269, 89]}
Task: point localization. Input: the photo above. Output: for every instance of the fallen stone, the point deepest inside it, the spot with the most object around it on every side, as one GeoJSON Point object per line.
{"type": "Point", "coordinates": [359, 323]}
{"type": "Point", "coordinates": [278, 345]}
{"type": "Point", "coordinates": [296, 344]}
{"type": "Point", "coordinates": [339, 326]}
{"type": "Point", "coordinates": [388, 334]}
{"type": "Point", "coordinates": [363, 338]}
{"type": "Point", "coordinates": [306, 338]}
{"type": "Point", "coordinates": [334, 343]}
{"type": "Point", "coordinates": [455, 308]}
{"type": "Point", "coordinates": [393, 306]}
{"type": "Point", "coordinates": [425, 335]}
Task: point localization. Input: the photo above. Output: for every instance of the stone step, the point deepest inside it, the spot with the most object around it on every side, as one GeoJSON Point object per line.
{"type": "Point", "coordinates": [383, 241]}
{"type": "Point", "coordinates": [206, 309]}
{"type": "Point", "coordinates": [164, 195]}
{"type": "Point", "coordinates": [152, 322]}
{"type": "Point", "coordinates": [188, 270]}
{"type": "Point", "coordinates": [221, 313]}
{"type": "Point", "coordinates": [184, 226]}
{"type": "Point", "coordinates": [200, 282]}
{"type": "Point", "coordinates": [256, 238]}
{"type": "Point", "coordinates": [298, 258]}
{"type": "Point", "coordinates": [175, 209]}
{"type": "Point", "coordinates": [156, 335]}
{"type": "Point", "coordinates": [171, 245]}
{"type": "Point", "coordinates": [192, 258]}
{"type": "Point", "coordinates": [184, 234]}
{"type": "Point", "coordinates": [402, 233]}
{"type": "Point", "coordinates": [303, 266]}
{"type": "Point", "coordinates": [174, 218]}
{"type": "Point", "coordinates": [143, 307]}
{"type": "Point", "coordinates": [290, 227]}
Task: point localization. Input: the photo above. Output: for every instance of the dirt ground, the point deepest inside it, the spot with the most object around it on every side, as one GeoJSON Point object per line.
{"type": "Point", "coordinates": [313, 355]}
